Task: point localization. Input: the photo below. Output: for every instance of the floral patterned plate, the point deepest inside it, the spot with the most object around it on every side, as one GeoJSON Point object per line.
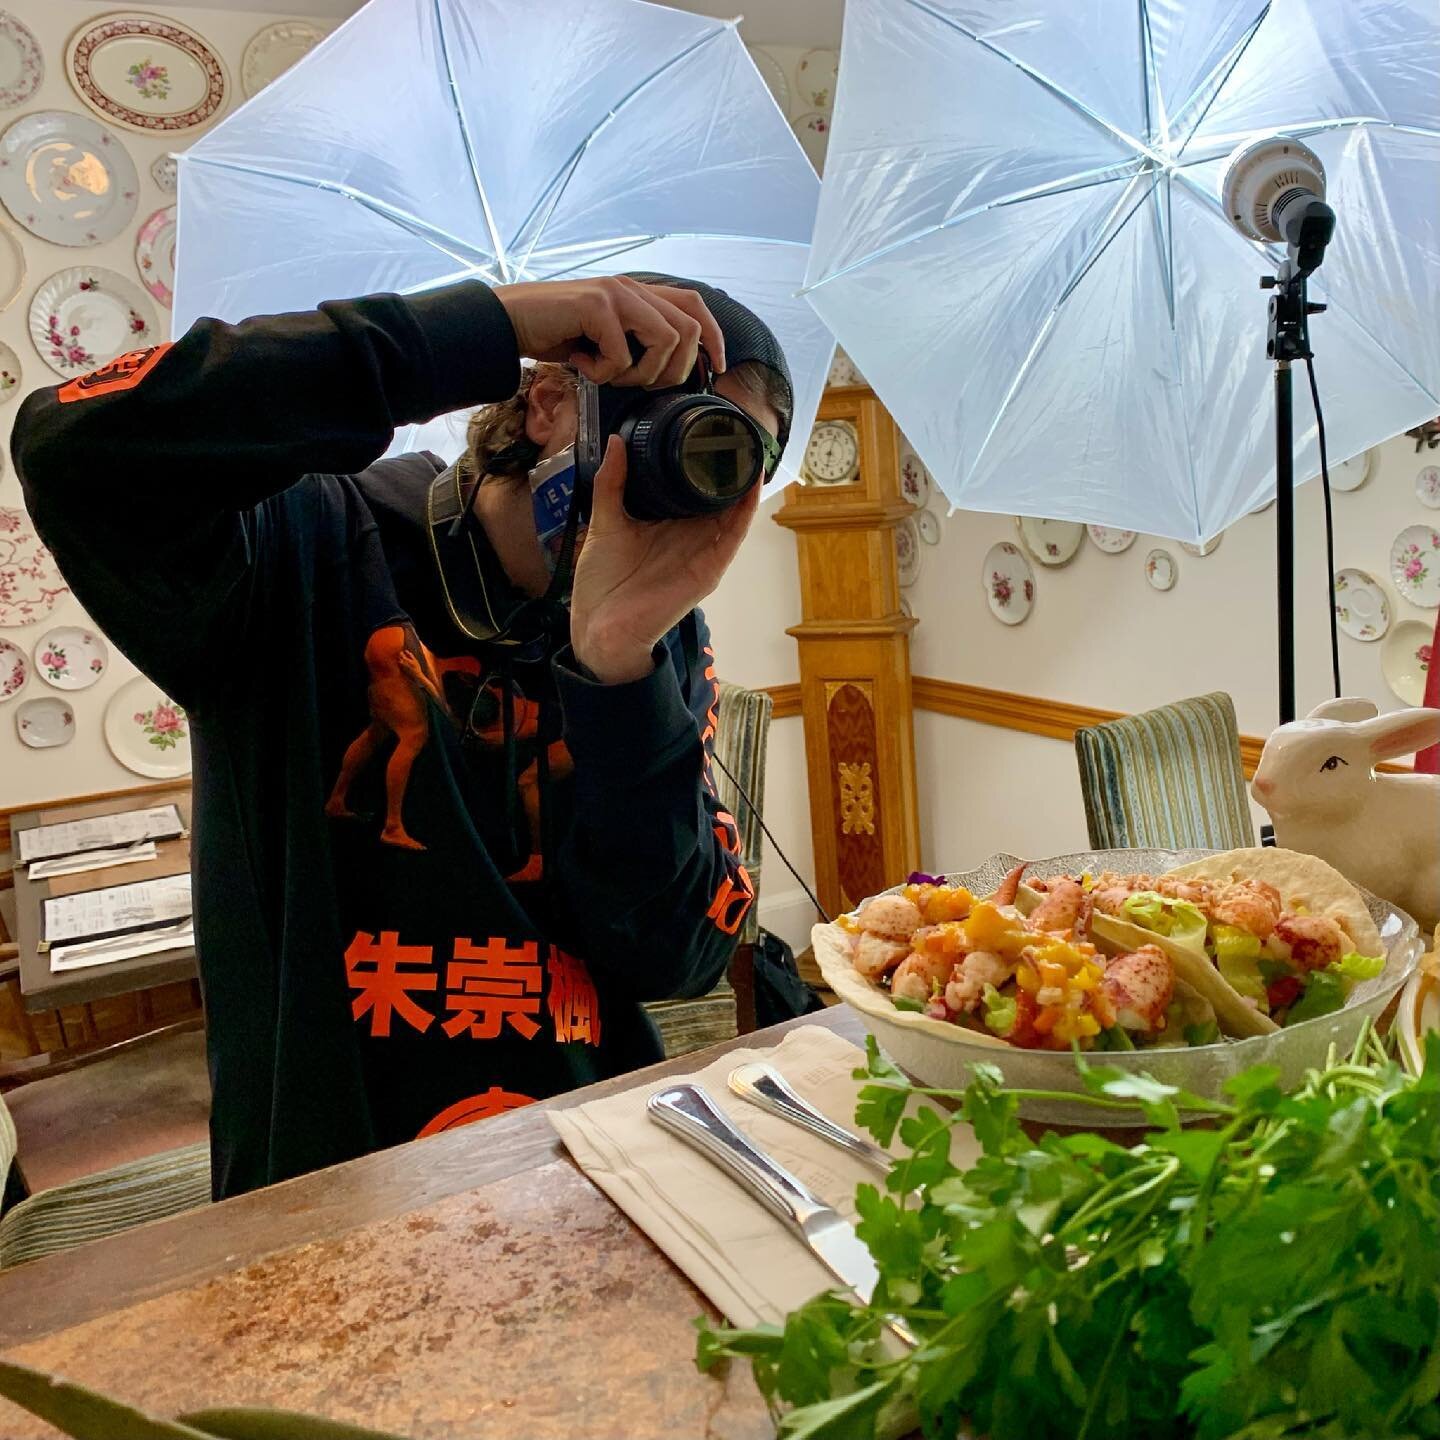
{"type": "Point", "coordinates": [1361, 608]}
{"type": "Point", "coordinates": [1351, 474]}
{"type": "Point", "coordinates": [813, 131]}
{"type": "Point", "coordinates": [163, 173]}
{"type": "Point", "coordinates": [907, 551]}
{"type": "Point", "coordinates": [45, 723]}
{"type": "Point", "coordinates": [1009, 583]}
{"type": "Point", "coordinates": [30, 585]}
{"type": "Point", "coordinates": [1111, 540]}
{"type": "Point", "coordinates": [147, 72]}
{"type": "Point", "coordinates": [1415, 565]}
{"type": "Point", "coordinates": [1405, 659]}
{"type": "Point", "coordinates": [843, 370]}
{"type": "Point", "coordinates": [1160, 569]}
{"type": "Point", "coordinates": [71, 658]}
{"type": "Point", "coordinates": [816, 74]}
{"type": "Point", "coordinates": [1208, 548]}
{"type": "Point", "coordinates": [83, 318]}
{"type": "Point", "coordinates": [155, 255]}
{"type": "Point", "coordinates": [21, 66]}
{"type": "Point", "coordinates": [147, 732]}
{"type": "Point", "coordinates": [273, 50]}
{"type": "Point", "coordinates": [9, 374]}
{"type": "Point", "coordinates": [1051, 542]}
{"type": "Point", "coordinates": [914, 477]}
{"type": "Point", "coordinates": [927, 522]}
{"type": "Point", "coordinates": [14, 670]}
{"type": "Point", "coordinates": [1427, 487]}
{"type": "Point", "coordinates": [67, 179]}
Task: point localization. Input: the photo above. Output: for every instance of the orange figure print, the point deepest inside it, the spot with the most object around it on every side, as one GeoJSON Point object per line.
{"type": "Point", "coordinates": [403, 675]}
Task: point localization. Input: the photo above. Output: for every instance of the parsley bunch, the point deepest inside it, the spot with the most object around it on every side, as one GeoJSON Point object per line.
{"type": "Point", "coordinates": [1274, 1275]}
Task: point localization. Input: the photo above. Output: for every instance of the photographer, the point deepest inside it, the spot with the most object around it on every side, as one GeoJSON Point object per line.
{"type": "Point", "coordinates": [440, 855]}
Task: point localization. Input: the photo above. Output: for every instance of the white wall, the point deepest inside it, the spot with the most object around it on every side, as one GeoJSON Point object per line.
{"type": "Point", "coordinates": [84, 765]}
{"type": "Point", "coordinates": [1100, 636]}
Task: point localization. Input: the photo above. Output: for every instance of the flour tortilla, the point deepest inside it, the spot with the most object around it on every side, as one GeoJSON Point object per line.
{"type": "Point", "coordinates": [1301, 879]}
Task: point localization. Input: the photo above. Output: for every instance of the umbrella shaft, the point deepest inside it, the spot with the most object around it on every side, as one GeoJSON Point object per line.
{"type": "Point", "coordinates": [1285, 536]}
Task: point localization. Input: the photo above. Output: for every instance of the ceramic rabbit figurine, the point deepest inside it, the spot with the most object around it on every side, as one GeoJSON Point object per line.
{"type": "Point", "coordinates": [1316, 778]}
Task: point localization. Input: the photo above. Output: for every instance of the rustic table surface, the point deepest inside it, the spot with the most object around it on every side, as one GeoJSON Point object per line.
{"type": "Point", "coordinates": [473, 1285]}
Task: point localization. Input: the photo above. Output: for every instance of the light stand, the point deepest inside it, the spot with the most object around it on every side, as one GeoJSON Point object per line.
{"type": "Point", "coordinates": [1308, 231]}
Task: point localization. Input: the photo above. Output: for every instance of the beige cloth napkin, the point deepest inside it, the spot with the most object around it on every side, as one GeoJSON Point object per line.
{"type": "Point", "coordinates": [749, 1264]}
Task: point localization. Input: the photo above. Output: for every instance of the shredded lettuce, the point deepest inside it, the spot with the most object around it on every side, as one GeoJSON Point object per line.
{"type": "Point", "coordinates": [1000, 1011]}
{"type": "Point", "coordinates": [1325, 993]}
{"type": "Point", "coordinates": [1358, 967]}
{"type": "Point", "coordinates": [904, 1002]}
{"type": "Point", "coordinates": [1178, 919]}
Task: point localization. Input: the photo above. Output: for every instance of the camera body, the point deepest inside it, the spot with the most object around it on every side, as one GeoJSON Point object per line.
{"type": "Point", "coordinates": [689, 452]}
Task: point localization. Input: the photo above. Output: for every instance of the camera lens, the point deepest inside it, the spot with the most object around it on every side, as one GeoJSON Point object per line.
{"type": "Point", "coordinates": [719, 454]}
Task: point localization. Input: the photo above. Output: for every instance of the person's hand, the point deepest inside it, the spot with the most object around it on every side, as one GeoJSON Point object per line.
{"type": "Point", "coordinates": [637, 579]}
{"type": "Point", "coordinates": [587, 324]}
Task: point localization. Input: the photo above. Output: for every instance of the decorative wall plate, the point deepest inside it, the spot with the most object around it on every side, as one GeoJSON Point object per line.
{"type": "Point", "coordinates": [81, 319]}
{"type": "Point", "coordinates": [1009, 583]}
{"type": "Point", "coordinates": [927, 522]}
{"type": "Point", "coordinates": [14, 670]}
{"type": "Point", "coordinates": [1208, 548]}
{"type": "Point", "coordinates": [66, 178]}
{"type": "Point", "coordinates": [10, 374]}
{"type": "Point", "coordinates": [1405, 660]}
{"type": "Point", "coordinates": [30, 585]}
{"type": "Point", "coordinates": [1160, 569]}
{"type": "Point", "coordinates": [1051, 542]}
{"type": "Point", "coordinates": [155, 255]}
{"type": "Point", "coordinates": [816, 76]}
{"type": "Point", "coordinates": [843, 370]}
{"type": "Point", "coordinates": [1353, 473]}
{"type": "Point", "coordinates": [914, 477]}
{"type": "Point", "coordinates": [45, 723]}
{"type": "Point", "coordinates": [1427, 485]}
{"type": "Point", "coordinates": [273, 50]}
{"type": "Point", "coordinates": [12, 267]}
{"type": "Point", "coordinates": [1361, 609]}
{"type": "Point", "coordinates": [21, 66]}
{"type": "Point", "coordinates": [772, 72]}
{"type": "Point", "coordinates": [1415, 565]}
{"type": "Point", "coordinates": [907, 551]}
{"type": "Point", "coordinates": [147, 72]}
{"type": "Point", "coordinates": [164, 172]}
{"type": "Point", "coordinates": [147, 732]}
{"type": "Point", "coordinates": [71, 658]}
{"type": "Point", "coordinates": [813, 130]}
{"type": "Point", "coordinates": [1111, 540]}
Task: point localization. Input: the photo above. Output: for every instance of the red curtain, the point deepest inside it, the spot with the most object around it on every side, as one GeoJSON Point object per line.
{"type": "Point", "coordinates": [1427, 762]}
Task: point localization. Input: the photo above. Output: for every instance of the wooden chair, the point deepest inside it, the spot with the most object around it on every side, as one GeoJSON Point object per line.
{"type": "Point", "coordinates": [1169, 779]}
{"type": "Point", "coordinates": [729, 1009]}
{"type": "Point", "coordinates": [107, 1137]}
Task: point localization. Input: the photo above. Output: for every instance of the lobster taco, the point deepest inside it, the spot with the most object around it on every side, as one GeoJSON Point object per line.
{"type": "Point", "coordinates": [1269, 937]}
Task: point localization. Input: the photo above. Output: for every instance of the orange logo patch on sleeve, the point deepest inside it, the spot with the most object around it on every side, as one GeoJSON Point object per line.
{"type": "Point", "coordinates": [124, 372]}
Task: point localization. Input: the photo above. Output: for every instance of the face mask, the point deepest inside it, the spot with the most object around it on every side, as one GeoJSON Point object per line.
{"type": "Point", "coordinates": [552, 488]}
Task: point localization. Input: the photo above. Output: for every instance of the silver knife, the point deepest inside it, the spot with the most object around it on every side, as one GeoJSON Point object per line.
{"type": "Point", "coordinates": [765, 1086]}
{"type": "Point", "coordinates": [687, 1111]}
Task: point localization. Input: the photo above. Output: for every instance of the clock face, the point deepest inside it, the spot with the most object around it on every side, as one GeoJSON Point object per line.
{"type": "Point", "coordinates": [833, 455]}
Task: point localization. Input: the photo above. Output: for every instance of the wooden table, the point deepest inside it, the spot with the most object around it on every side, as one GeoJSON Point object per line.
{"type": "Point", "coordinates": [40, 987]}
{"type": "Point", "coordinates": [471, 1285]}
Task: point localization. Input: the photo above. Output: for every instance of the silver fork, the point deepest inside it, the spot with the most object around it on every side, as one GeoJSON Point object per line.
{"type": "Point", "coordinates": [766, 1087]}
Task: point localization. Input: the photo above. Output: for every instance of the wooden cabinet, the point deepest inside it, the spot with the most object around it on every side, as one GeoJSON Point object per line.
{"type": "Point", "coordinates": [854, 642]}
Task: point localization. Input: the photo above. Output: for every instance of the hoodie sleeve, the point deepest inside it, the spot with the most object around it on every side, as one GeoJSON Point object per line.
{"type": "Point", "coordinates": [651, 865]}
{"type": "Point", "coordinates": [146, 479]}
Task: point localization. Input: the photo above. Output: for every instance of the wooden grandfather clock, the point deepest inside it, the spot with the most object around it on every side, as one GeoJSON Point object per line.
{"type": "Point", "coordinates": [854, 641]}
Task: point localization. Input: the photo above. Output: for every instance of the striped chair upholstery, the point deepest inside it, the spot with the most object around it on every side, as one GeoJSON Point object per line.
{"type": "Point", "coordinates": [740, 741]}
{"type": "Point", "coordinates": [1169, 778]}
{"type": "Point", "coordinates": [103, 1204]}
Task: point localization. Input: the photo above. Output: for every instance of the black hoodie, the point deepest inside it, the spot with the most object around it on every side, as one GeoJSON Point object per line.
{"type": "Point", "coordinates": [378, 960]}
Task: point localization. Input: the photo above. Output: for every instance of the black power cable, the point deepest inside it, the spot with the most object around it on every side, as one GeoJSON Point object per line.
{"type": "Point", "coordinates": [1329, 526]}
{"type": "Point", "coordinates": [784, 859]}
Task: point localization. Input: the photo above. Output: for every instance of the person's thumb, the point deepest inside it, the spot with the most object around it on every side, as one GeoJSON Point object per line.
{"type": "Point", "coordinates": [607, 508]}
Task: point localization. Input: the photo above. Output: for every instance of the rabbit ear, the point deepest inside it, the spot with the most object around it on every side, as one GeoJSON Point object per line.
{"type": "Point", "coordinates": [1401, 733]}
{"type": "Point", "coordinates": [1349, 709]}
